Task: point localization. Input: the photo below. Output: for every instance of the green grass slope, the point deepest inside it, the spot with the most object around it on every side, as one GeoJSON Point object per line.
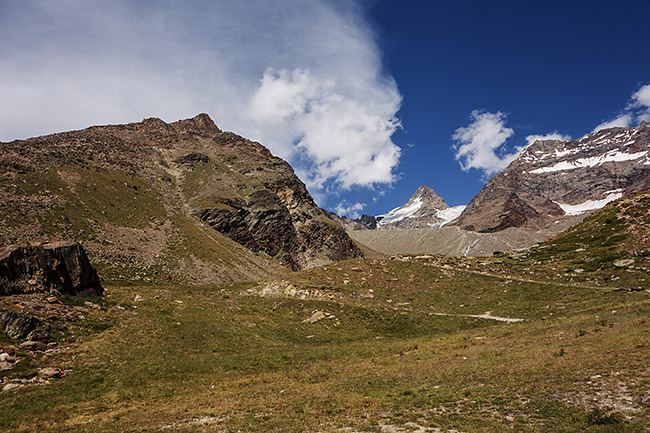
{"type": "Point", "coordinates": [506, 343]}
{"type": "Point", "coordinates": [126, 192]}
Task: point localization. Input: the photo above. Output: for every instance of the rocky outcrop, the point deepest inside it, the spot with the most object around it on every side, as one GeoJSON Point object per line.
{"type": "Point", "coordinates": [260, 223]}
{"type": "Point", "coordinates": [62, 266]}
{"type": "Point", "coordinates": [365, 222]}
{"type": "Point", "coordinates": [553, 183]}
{"type": "Point", "coordinates": [17, 325]}
{"type": "Point", "coordinates": [283, 222]}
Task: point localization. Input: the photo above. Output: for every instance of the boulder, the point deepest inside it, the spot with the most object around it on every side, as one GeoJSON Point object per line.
{"type": "Point", "coordinates": [623, 263]}
{"type": "Point", "coordinates": [33, 346]}
{"type": "Point", "coordinates": [41, 334]}
{"type": "Point", "coordinates": [17, 325]}
{"type": "Point", "coordinates": [49, 373]}
{"type": "Point", "coordinates": [11, 386]}
{"type": "Point", "coordinates": [63, 266]}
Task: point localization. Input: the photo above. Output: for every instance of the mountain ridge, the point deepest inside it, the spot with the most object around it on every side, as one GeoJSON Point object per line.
{"type": "Point", "coordinates": [553, 180]}
{"type": "Point", "coordinates": [138, 195]}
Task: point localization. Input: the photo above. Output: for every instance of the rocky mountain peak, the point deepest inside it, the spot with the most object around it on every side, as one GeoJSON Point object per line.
{"type": "Point", "coordinates": [201, 123]}
{"type": "Point", "coordinates": [425, 209]}
{"type": "Point", "coordinates": [562, 181]}
{"type": "Point", "coordinates": [429, 197]}
{"type": "Point", "coordinates": [134, 193]}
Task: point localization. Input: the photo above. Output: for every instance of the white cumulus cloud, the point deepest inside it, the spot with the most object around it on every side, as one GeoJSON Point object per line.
{"type": "Point", "coordinates": [480, 145]}
{"type": "Point", "coordinates": [330, 137]}
{"type": "Point", "coordinates": [303, 77]}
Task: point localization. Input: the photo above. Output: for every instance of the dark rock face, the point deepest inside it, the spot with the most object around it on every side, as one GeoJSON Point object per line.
{"type": "Point", "coordinates": [552, 181]}
{"type": "Point", "coordinates": [283, 222]}
{"type": "Point", "coordinates": [517, 212]}
{"type": "Point", "coordinates": [60, 265]}
{"type": "Point", "coordinates": [260, 223]}
{"type": "Point", "coordinates": [190, 160]}
{"type": "Point", "coordinates": [368, 221]}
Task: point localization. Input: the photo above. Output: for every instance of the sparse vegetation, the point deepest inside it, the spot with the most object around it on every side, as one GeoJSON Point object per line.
{"type": "Point", "coordinates": [224, 358]}
{"type": "Point", "coordinates": [554, 338]}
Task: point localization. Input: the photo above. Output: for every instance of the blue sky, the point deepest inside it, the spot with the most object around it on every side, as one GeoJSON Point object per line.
{"type": "Point", "coordinates": [367, 99]}
{"type": "Point", "coordinates": [548, 66]}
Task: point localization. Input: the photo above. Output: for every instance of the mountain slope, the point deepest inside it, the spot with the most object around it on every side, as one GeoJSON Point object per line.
{"type": "Point", "coordinates": [621, 230]}
{"type": "Point", "coordinates": [142, 199]}
{"type": "Point", "coordinates": [558, 182]}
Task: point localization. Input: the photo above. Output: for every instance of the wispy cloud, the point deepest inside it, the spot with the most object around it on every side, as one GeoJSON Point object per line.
{"type": "Point", "coordinates": [303, 77]}
{"type": "Point", "coordinates": [351, 210]}
{"type": "Point", "coordinates": [551, 136]}
{"type": "Point", "coordinates": [637, 110]}
{"type": "Point", "coordinates": [641, 100]}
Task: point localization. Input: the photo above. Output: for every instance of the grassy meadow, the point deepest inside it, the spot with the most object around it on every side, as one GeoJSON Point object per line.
{"type": "Point", "coordinates": [359, 346]}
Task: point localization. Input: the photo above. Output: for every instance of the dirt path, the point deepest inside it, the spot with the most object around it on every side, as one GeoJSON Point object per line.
{"type": "Point", "coordinates": [528, 280]}
{"type": "Point", "coordinates": [487, 315]}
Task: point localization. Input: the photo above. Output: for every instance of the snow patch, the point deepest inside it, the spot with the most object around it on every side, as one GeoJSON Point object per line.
{"type": "Point", "coordinates": [589, 205]}
{"type": "Point", "coordinates": [470, 247]}
{"type": "Point", "coordinates": [594, 161]}
{"type": "Point", "coordinates": [448, 215]}
{"type": "Point", "coordinates": [560, 153]}
{"type": "Point", "coordinates": [399, 213]}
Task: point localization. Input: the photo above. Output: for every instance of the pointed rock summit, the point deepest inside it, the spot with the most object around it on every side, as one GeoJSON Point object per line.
{"type": "Point", "coordinates": [425, 209]}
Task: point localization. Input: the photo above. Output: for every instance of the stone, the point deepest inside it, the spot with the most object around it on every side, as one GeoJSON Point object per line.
{"type": "Point", "coordinates": [11, 386]}
{"type": "Point", "coordinates": [63, 266]}
{"type": "Point", "coordinates": [317, 316]}
{"type": "Point", "coordinates": [49, 373]}
{"type": "Point", "coordinates": [40, 334]}
{"type": "Point", "coordinates": [11, 350]}
{"type": "Point", "coordinates": [17, 325]}
{"type": "Point", "coordinates": [5, 357]}
{"type": "Point", "coordinates": [92, 305]}
{"type": "Point", "coordinates": [623, 263]}
{"type": "Point", "coordinates": [33, 346]}
{"type": "Point", "coordinates": [518, 256]}
{"type": "Point", "coordinates": [5, 365]}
